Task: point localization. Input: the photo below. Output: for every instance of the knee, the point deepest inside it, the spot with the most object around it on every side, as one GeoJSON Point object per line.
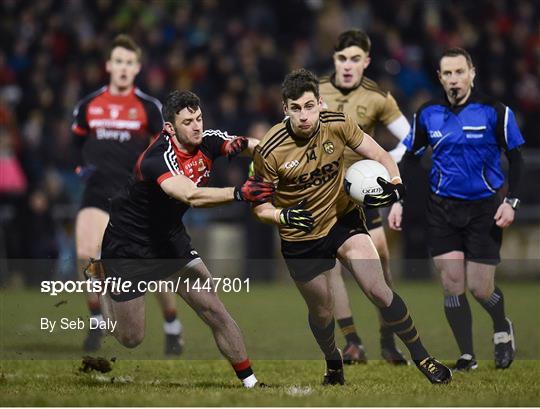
{"type": "Point", "coordinates": [323, 314]}
{"type": "Point", "coordinates": [453, 284]}
{"type": "Point", "coordinates": [481, 292]}
{"type": "Point", "coordinates": [86, 251]}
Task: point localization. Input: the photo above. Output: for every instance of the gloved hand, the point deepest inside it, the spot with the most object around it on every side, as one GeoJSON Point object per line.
{"type": "Point", "coordinates": [85, 172]}
{"type": "Point", "coordinates": [297, 217]}
{"type": "Point", "coordinates": [255, 190]}
{"type": "Point", "coordinates": [391, 194]}
{"type": "Point", "coordinates": [235, 146]}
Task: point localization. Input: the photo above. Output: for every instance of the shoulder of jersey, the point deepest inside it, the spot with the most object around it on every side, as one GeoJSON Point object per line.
{"type": "Point", "coordinates": [325, 84]}
{"type": "Point", "coordinates": [86, 99]}
{"type": "Point", "coordinates": [435, 103]}
{"type": "Point", "coordinates": [331, 116]}
{"type": "Point", "coordinates": [148, 98]}
{"type": "Point", "coordinates": [370, 85]}
{"type": "Point", "coordinates": [273, 138]}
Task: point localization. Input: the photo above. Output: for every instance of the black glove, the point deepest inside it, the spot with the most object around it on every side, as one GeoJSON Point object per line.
{"type": "Point", "coordinates": [235, 146]}
{"type": "Point", "coordinates": [255, 190]}
{"type": "Point", "coordinates": [298, 217]}
{"type": "Point", "coordinates": [391, 193]}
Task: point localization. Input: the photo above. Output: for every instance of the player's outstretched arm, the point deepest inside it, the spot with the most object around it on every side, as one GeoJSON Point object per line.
{"type": "Point", "coordinates": [183, 189]}
{"type": "Point", "coordinates": [372, 150]}
{"type": "Point", "coordinates": [295, 216]}
{"type": "Point", "coordinates": [240, 145]}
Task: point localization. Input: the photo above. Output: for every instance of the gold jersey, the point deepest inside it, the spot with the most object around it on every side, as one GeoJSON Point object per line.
{"type": "Point", "coordinates": [310, 169]}
{"type": "Point", "coordinates": [367, 104]}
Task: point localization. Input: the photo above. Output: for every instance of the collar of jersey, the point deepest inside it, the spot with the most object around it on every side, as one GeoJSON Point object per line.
{"type": "Point", "coordinates": [344, 91]}
{"type": "Point", "coordinates": [178, 151]}
{"type": "Point", "coordinates": [474, 98]}
{"type": "Point", "coordinates": [122, 98]}
{"type": "Point", "coordinates": [299, 138]}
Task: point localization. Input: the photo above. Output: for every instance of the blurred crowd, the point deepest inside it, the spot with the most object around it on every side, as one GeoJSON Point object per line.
{"type": "Point", "coordinates": [234, 55]}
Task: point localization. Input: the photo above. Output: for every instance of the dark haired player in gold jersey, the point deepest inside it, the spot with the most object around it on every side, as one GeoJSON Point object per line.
{"type": "Point", "coordinates": [303, 158]}
{"type": "Point", "coordinates": [349, 91]}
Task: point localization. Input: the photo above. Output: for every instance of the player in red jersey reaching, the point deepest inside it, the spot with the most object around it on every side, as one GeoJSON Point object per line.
{"type": "Point", "coordinates": [113, 126]}
{"type": "Point", "coordinates": [146, 240]}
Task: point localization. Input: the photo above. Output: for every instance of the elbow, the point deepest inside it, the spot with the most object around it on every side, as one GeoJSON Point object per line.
{"type": "Point", "coordinates": [193, 199]}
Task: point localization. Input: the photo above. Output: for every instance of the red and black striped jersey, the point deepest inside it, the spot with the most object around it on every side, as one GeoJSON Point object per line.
{"type": "Point", "coordinates": [143, 211]}
{"type": "Point", "coordinates": [115, 130]}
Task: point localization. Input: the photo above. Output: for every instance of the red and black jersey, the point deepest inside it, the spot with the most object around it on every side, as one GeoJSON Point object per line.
{"type": "Point", "coordinates": [115, 130]}
{"type": "Point", "coordinates": [143, 212]}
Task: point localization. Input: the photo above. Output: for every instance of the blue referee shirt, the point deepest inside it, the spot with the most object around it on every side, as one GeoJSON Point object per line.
{"type": "Point", "coordinates": [467, 142]}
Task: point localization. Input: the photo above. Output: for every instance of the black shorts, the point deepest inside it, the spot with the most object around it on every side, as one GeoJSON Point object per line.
{"type": "Point", "coordinates": [373, 218]}
{"type": "Point", "coordinates": [464, 225]}
{"type": "Point", "coordinates": [307, 259]}
{"type": "Point", "coordinates": [98, 195]}
{"type": "Point", "coordinates": [134, 262]}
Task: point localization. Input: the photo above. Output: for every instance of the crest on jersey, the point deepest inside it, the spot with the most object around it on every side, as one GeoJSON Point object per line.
{"type": "Point", "coordinates": [361, 111]}
{"type": "Point", "coordinates": [328, 147]}
{"type": "Point", "coordinates": [201, 165]}
{"type": "Point", "coordinates": [132, 113]}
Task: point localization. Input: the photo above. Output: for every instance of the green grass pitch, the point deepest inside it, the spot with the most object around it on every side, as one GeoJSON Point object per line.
{"type": "Point", "coordinates": [41, 369]}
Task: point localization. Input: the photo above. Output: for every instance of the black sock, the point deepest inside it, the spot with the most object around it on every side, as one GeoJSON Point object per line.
{"type": "Point", "coordinates": [397, 317]}
{"type": "Point", "coordinates": [458, 314]}
{"type": "Point", "coordinates": [494, 305]}
{"type": "Point", "coordinates": [326, 340]}
{"type": "Point", "coordinates": [243, 369]}
{"type": "Point", "coordinates": [348, 330]}
{"type": "Point", "coordinates": [387, 337]}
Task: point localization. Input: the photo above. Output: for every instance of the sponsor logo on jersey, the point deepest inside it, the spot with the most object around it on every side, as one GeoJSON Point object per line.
{"type": "Point", "coordinates": [319, 176]}
{"type": "Point", "coordinates": [113, 134]}
{"type": "Point", "coordinates": [115, 124]}
{"type": "Point", "coordinates": [328, 147]}
{"type": "Point", "coordinates": [291, 164]}
{"type": "Point", "coordinates": [95, 110]}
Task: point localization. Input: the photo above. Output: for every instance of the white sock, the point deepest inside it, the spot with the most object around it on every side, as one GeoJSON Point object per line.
{"type": "Point", "coordinates": [250, 381]}
{"type": "Point", "coordinates": [172, 328]}
{"type": "Point", "coordinates": [98, 317]}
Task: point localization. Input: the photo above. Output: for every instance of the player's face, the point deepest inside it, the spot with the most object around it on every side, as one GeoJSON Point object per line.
{"type": "Point", "coordinates": [123, 67]}
{"type": "Point", "coordinates": [350, 64]}
{"type": "Point", "coordinates": [456, 78]}
{"type": "Point", "coordinates": [188, 127]}
{"type": "Point", "coordinates": [304, 114]}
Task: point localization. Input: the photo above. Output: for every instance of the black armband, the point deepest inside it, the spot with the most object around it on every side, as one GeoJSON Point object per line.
{"type": "Point", "coordinates": [515, 170]}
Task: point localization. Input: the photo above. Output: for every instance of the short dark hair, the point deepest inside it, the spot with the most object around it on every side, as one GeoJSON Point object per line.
{"type": "Point", "coordinates": [298, 82]}
{"type": "Point", "coordinates": [125, 41]}
{"type": "Point", "coordinates": [178, 100]}
{"type": "Point", "coordinates": [455, 52]}
{"type": "Point", "coordinates": [354, 37]}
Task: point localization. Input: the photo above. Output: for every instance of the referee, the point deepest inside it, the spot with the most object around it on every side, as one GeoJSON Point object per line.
{"type": "Point", "coordinates": [467, 132]}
